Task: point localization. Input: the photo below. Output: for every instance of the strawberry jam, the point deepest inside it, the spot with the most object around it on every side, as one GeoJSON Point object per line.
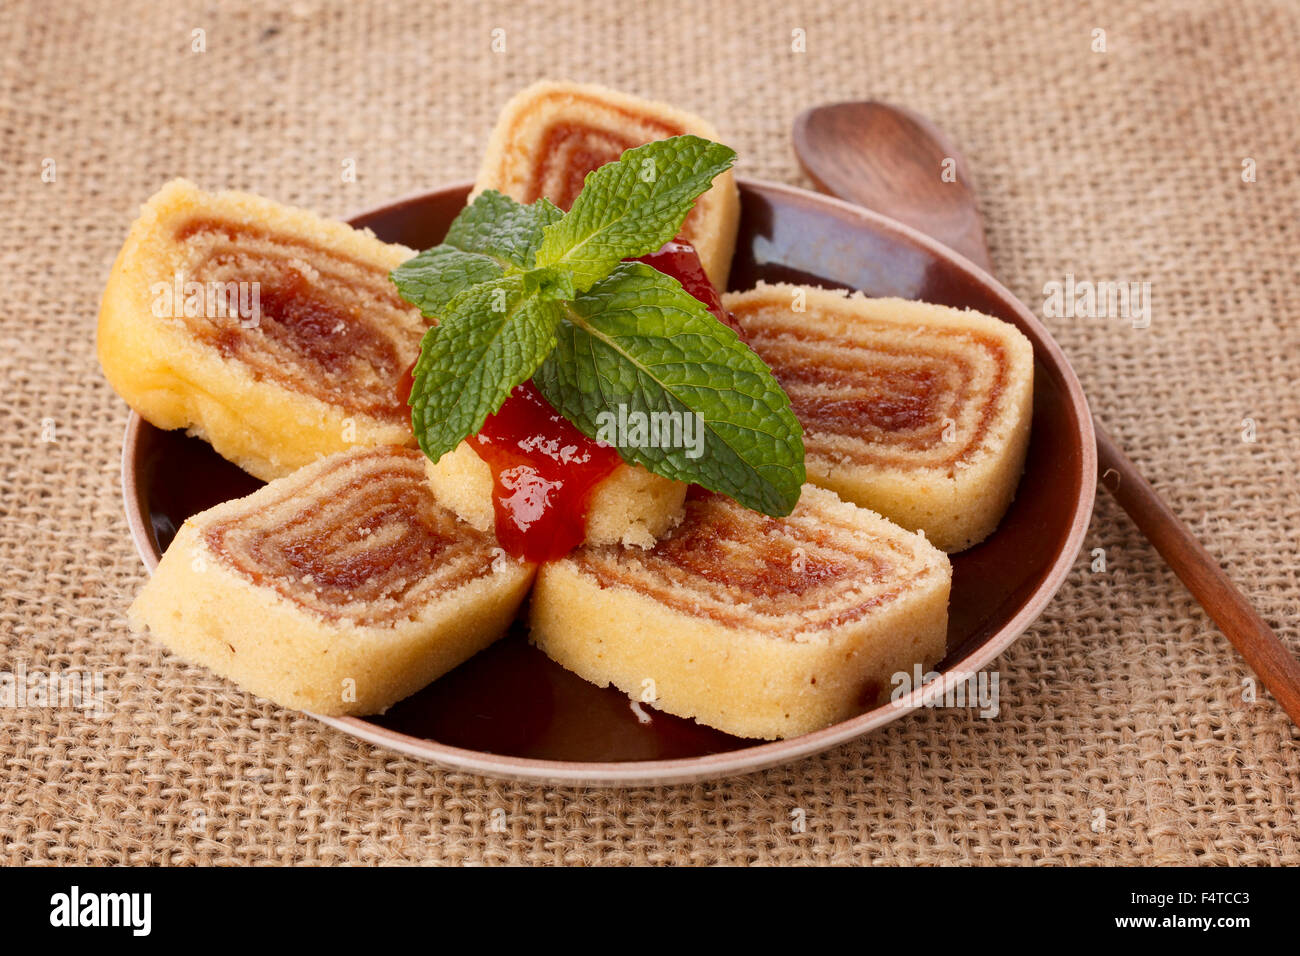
{"type": "Point", "coordinates": [543, 473]}
{"type": "Point", "coordinates": [543, 469]}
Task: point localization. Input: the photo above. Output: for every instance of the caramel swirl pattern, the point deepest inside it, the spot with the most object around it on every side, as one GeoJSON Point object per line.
{"type": "Point", "coordinates": [556, 162]}
{"type": "Point", "coordinates": [330, 326]}
{"type": "Point", "coordinates": [570, 151]}
{"type": "Point", "coordinates": [883, 396]}
{"type": "Point", "coordinates": [363, 541]}
{"type": "Point", "coordinates": [811, 571]}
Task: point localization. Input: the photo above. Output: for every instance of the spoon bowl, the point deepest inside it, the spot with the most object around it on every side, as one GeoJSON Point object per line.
{"type": "Point", "coordinates": [908, 168]}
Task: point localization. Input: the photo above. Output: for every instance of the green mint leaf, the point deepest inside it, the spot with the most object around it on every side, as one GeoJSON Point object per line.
{"type": "Point", "coordinates": [492, 337]}
{"type": "Point", "coordinates": [491, 236]}
{"type": "Point", "coordinates": [497, 226]}
{"type": "Point", "coordinates": [553, 285]}
{"type": "Point", "coordinates": [436, 276]}
{"type": "Point", "coordinates": [631, 207]}
{"type": "Point", "coordinates": [636, 342]}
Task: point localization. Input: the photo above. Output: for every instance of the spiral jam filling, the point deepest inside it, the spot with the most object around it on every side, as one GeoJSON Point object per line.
{"type": "Point", "coordinates": [812, 571]}
{"type": "Point", "coordinates": [898, 400]}
{"type": "Point", "coordinates": [327, 325]}
{"type": "Point", "coordinates": [568, 150]}
{"type": "Point", "coordinates": [363, 542]}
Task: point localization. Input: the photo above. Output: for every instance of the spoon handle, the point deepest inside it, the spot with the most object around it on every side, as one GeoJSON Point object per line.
{"type": "Point", "coordinates": [1200, 572]}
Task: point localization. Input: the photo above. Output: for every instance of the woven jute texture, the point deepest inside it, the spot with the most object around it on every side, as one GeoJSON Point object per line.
{"type": "Point", "coordinates": [1126, 731]}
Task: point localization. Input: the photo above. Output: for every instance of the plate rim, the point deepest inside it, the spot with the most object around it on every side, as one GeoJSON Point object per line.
{"type": "Point", "coordinates": [764, 754]}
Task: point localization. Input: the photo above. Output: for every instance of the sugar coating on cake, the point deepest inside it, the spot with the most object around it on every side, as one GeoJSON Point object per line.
{"type": "Point", "coordinates": [758, 626]}
{"type": "Point", "coordinates": [550, 135]}
{"type": "Point", "coordinates": [921, 412]}
{"type": "Point", "coordinates": [340, 589]}
{"type": "Point", "coordinates": [273, 334]}
{"type": "Point", "coordinates": [632, 506]}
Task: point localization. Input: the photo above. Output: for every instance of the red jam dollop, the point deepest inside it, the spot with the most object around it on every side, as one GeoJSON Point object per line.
{"type": "Point", "coordinates": [543, 473]}
{"type": "Point", "coordinates": [543, 469]}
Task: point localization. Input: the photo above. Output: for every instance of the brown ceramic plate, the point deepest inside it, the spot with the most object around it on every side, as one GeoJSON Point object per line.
{"type": "Point", "coordinates": [511, 712]}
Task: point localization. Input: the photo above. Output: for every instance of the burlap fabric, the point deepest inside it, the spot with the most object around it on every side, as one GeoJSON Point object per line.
{"type": "Point", "coordinates": [1123, 735]}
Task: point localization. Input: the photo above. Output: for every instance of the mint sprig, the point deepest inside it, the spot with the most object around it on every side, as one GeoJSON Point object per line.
{"type": "Point", "coordinates": [526, 291]}
{"type": "Point", "coordinates": [638, 340]}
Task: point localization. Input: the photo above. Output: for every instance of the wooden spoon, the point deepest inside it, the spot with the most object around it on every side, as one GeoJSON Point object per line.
{"type": "Point", "coordinates": [894, 161]}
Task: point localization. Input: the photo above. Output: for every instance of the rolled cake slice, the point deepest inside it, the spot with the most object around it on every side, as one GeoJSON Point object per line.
{"type": "Point", "coordinates": [340, 589]}
{"type": "Point", "coordinates": [758, 626]}
{"type": "Point", "coordinates": [268, 331]}
{"type": "Point", "coordinates": [551, 135]}
{"type": "Point", "coordinates": [918, 411]}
